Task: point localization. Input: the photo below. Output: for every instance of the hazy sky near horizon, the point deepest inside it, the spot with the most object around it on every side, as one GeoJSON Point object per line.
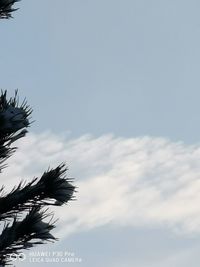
{"type": "Point", "coordinates": [115, 90]}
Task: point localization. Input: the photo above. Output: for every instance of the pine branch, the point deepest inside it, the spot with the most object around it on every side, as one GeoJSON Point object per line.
{"type": "Point", "coordinates": [14, 119]}
{"type": "Point", "coordinates": [6, 8]}
{"type": "Point", "coordinates": [13, 116]}
{"type": "Point", "coordinates": [53, 188]}
{"type": "Point", "coordinates": [21, 234]}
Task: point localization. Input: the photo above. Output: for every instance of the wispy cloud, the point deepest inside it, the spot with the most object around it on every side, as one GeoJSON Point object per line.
{"type": "Point", "coordinates": [123, 181]}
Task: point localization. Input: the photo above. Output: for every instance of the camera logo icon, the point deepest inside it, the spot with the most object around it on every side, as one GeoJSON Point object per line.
{"type": "Point", "coordinates": [19, 256]}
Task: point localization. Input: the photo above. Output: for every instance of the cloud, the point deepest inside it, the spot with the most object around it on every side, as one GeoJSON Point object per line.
{"type": "Point", "coordinates": [142, 181]}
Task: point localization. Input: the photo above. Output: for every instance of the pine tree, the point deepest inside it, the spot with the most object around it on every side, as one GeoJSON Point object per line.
{"type": "Point", "coordinates": [24, 209]}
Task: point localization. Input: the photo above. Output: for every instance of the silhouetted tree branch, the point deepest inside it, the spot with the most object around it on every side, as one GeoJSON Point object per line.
{"type": "Point", "coordinates": [23, 209]}
{"type": "Point", "coordinates": [6, 8]}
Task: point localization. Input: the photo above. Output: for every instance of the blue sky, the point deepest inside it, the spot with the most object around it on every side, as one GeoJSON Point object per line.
{"type": "Point", "coordinates": [128, 68]}
{"type": "Point", "coordinates": [116, 85]}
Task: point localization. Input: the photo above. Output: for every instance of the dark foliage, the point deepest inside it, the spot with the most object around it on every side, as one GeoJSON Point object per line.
{"type": "Point", "coordinates": [6, 8]}
{"type": "Point", "coordinates": [23, 209]}
{"type": "Point", "coordinates": [53, 188]}
{"type": "Point", "coordinates": [25, 234]}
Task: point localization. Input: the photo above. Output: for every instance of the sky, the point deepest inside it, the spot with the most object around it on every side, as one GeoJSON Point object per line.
{"type": "Point", "coordinates": [114, 86]}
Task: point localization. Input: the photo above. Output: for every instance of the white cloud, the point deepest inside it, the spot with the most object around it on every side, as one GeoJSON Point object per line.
{"type": "Point", "coordinates": [123, 181]}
